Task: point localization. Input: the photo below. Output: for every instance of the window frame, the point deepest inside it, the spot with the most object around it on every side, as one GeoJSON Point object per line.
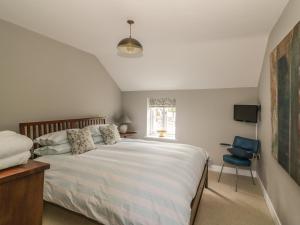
{"type": "Point", "coordinates": [150, 122]}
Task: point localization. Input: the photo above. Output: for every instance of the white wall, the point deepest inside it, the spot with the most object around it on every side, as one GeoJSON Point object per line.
{"type": "Point", "coordinates": [282, 189]}
{"type": "Point", "coordinates": [203, 117]}
{"type": "Point", "coordinates": [188, 44]}
{"type": "Point", "coordinates": [42, 79]}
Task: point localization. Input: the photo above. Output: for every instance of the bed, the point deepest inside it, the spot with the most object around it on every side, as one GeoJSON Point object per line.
{"type": "Point", "coordinates": [134, 182]}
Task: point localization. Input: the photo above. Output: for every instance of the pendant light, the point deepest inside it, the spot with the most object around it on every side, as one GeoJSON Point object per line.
{"type": "Point", "coordinates": [130, 46]}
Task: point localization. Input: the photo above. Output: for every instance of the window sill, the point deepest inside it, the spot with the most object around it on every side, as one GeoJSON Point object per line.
{"type": "Point", "coordinates": [160, 138]}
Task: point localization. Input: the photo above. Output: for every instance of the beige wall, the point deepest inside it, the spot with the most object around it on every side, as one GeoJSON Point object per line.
{"type": "Point", "coordinates": [282, 189]}
{"type": "Point", "coordinates": [43, 79]}
{"type": "Point", "coordinates": [203, 117]}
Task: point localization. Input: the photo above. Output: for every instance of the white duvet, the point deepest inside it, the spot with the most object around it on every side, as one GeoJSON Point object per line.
{"type": "Point", "coordinates": [134, 182]}
{"type": "Point", "coordinates": [14, 149]}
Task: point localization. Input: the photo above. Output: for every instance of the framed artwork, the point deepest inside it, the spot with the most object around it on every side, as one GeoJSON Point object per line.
{"type": "Point", "coordinates": [285, 103]}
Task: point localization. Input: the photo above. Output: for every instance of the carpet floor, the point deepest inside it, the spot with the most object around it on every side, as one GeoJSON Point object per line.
{"type": "Point", "coordinates": [220, 205]}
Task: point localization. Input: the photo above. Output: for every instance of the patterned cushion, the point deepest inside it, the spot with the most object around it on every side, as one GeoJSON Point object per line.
{"type": "Point", "coordinates": [110, 134]}
{"type": "Point", "coordinates": [81, 141]}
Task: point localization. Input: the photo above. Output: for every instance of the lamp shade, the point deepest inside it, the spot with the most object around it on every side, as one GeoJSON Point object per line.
{"type": "Point", "coordinates": [130, 46]}
{"type": "Point", "coordinates": [125, 120]}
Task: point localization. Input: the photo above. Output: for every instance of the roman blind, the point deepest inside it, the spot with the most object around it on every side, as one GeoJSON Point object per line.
{"type": "Point", "coordinates": [162, 102]}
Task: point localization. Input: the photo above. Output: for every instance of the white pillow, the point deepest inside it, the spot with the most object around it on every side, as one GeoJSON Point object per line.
{"type": "Point", "coordinates": [95, 129]}
{"type": "Point", "coordinates": [53, 150]}
{"type": "Point", "coordinates": [55, 138]}
{"type": "Point", "coordinates": [98, 139]}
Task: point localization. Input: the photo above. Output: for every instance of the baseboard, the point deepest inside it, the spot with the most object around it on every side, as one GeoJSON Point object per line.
{"type": "Point", "coordinates": [230, 170]}
{"type": "Point", "coordinates": [269, 203]}
{"type": "Point", "coordinates": [244, 172]}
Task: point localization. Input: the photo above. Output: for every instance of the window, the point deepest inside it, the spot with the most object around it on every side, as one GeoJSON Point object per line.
{"type": "Point", "coordinates": [161, 118]}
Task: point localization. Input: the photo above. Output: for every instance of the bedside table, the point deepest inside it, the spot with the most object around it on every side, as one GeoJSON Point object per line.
{"type": "Point", "coordinates": [128, 134]}
{"type": "Point", "coordinates": [21, 194]}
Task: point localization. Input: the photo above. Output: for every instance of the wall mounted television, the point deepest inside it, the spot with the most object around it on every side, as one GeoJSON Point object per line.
{"type": "Point", "coordinates": [246, 113]}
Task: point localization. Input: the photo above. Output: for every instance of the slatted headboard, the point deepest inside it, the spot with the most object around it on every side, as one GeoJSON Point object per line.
{"type": "Point", "coordinates": [37, 129]}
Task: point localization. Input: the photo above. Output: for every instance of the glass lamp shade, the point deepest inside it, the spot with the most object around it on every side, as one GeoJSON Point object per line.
{"type": "Point", "coordinates": [130, 47]}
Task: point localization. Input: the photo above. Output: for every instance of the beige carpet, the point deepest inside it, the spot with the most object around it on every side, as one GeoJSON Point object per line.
{"type": "Point", "coordinates": [220, 205]}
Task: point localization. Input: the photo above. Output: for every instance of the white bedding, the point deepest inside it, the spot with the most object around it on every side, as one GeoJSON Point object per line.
{"type": "Point", "coordinates": [134, 182]}
{"type": "Point", "coordinates": [17, 159]}
{"type": "Point", "coordinates": [13, 144]}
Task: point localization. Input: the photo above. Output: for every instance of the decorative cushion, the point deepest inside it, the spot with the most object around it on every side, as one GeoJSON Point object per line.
{"type": "Point", "coordinates": [110, 134]}
{"type": "Point", "coordinates": [81, 141]}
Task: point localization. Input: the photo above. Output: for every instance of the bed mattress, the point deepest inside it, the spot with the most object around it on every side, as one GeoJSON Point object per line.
{"type": "Point", "coordinates": [134, 182]}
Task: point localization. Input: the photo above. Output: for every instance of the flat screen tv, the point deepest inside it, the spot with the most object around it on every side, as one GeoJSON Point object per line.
{"type": "Point", "coordinates": [246, 113]}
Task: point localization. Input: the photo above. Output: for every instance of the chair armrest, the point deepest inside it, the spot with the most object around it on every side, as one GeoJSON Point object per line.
{"type": "Point", "coordinates": [251, 155]}
{"type": "Point", "coordinates": [225, 144]}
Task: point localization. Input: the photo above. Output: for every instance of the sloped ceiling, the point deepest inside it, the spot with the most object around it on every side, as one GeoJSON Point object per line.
{"type": "Point", "coordinates": [188, 44]}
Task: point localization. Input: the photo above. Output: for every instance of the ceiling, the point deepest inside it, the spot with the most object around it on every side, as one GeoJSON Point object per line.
{"type": "Point", "coordinates": [188, 44]}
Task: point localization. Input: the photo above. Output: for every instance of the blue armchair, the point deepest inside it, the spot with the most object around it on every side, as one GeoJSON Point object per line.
{"type": "Point", "coordinates": [243, 151]}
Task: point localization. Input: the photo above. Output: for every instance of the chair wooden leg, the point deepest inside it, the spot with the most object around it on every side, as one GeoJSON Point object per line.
{"type": "Point", "coordinates": [252, 176]}
{"type": "Point", "coordinates": [237, 178]}
{"type": "Point", "coordinates": [220, 173]}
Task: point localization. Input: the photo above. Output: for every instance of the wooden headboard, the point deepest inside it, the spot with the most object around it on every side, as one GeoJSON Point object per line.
{"type": "Point", "coordinates": [37, 129]}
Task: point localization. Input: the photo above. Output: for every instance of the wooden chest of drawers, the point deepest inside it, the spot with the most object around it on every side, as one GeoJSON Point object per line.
{"type": "Point", "coordinates": [21, 194]}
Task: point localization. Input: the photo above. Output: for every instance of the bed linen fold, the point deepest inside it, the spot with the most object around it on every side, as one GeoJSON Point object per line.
{"type": "Point", "coordinates": [14, 160]}
{"type": "Point", "coordinates": [13, 144]}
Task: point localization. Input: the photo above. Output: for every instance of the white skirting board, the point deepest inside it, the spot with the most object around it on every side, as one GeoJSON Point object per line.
{"type": "Point", "coordinates": [269, 203]}
{"type": "Point", "coordinates": [245, 172]}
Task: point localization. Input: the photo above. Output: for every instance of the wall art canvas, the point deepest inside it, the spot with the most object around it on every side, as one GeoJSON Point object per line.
{"type": "Point", "coordinates": [285, 103]}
